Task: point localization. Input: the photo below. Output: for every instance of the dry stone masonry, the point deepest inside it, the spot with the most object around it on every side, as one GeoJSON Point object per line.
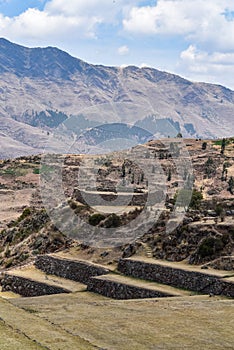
{"type": "Point", "coordinates": [131, 282]}
{"type": "Point", "coordinates": [76, 270]}
{"type": "Point", "coordinates": [29, 288]}
{"type": "Point", "coordinates": [196, 281]}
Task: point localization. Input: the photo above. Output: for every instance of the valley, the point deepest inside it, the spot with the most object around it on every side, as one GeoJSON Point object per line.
{"type": "Point", "coordinates": [117, 207]}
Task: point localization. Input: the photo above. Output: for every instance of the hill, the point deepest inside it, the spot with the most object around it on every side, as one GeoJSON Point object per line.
{"type": "Point", "coordinates": [43, 87]}
{"type": "Point", "coordinates": [203, 235]}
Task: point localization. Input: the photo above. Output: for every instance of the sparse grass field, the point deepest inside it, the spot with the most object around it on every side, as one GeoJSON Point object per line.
{"type": "Point", "coordinates": [11, 339]}
{"type": "Point", "coordinates": [195, 322]}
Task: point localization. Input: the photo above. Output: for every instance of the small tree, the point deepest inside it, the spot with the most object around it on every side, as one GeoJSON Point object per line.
{"type": "Point", "coordinates": [123, 170]}
{"type": "Point", "coordinates": [224, 172]}
{"type": "Point", "coordinates": [231, 185]}
{"type": "Point", "coordinates": [223, 145]}
{"type": "Point", "coordinates": [189, 199]}
{"type": "Point", "coordinates": [112, 221]}
{"type": "Point", "coordinates": [196, 199]}
{"type": "Point", "coordinates": [169, 175]}
{"type": "Point", "coordinates": [204, 145]}
{"type": "Point", "coordinates": [210, 167]}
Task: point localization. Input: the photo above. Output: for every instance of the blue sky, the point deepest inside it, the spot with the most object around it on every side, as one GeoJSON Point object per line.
{"type": "Point", "coordinates": [194, 39]}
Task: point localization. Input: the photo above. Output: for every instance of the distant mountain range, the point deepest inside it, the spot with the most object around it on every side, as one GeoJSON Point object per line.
{"type": "Point", "coordinates": [40, 88]}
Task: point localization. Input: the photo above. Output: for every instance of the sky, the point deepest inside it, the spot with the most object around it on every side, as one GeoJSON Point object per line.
{"type": "Point", "coordinates": [192, 38]}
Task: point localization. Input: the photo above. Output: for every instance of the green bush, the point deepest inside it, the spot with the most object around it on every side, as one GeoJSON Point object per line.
{"type": "Point", "coordinates": [26, 213]}
{"type": "Point", "coordinates": [209, 246]}
{"type": "Point", "coordinates": [187, 198]}
{"type": "Point", "coordinates": [113, 221]}
{"type": "Point", "coordinates": [219, 209]}
{"type": "Point", "coordinates": [196, 199]}
{"type": "Point", "coordinates": [95, 219]}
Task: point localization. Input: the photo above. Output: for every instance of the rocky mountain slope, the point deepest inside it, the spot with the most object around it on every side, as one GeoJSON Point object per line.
{"type": "Point", "coordinates": [42, 87]}
{"type": "Point", "coordinates": [204, 235]}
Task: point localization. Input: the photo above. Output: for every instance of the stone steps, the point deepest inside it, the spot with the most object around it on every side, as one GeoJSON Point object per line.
{"type": "Point", "coordinates": [30, 281]}
{"type": "Point", "coordinates": [123, 287]}
{"type": "Point", "coordinates": [136, 278]}
{"type": "Point", "coordinates": [179, 275]}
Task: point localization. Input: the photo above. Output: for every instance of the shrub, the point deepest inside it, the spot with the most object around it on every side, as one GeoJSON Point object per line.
{"type": "Point", "coordinates": [209, 246]}
{"type": "Point", "coordinates": [196, 199]}
{"type": "Point", "coordinates": [219, 209]}
{"type": "Point", "coordinates": [36, 171]}
{"type": "Point", "coordinates": [112, 221]}
{"type": "Point", "coordinates": [26, 213]}
{"type": "Point", "coordinates": [95, 219]}
{"type": "Point", "coordinates": [73, 205]}
{"type": "Point", "coordinates": [187, 198]}
{"type": "Point", "coordinates": [204, 145]}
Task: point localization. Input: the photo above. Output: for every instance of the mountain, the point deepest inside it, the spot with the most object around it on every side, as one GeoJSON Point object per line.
{"type": "Point", "coordinates": [43, 87]}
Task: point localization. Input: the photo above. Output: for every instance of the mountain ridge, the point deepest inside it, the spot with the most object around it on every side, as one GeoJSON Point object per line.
{"type": "Point", "coordinates": [39, 82]}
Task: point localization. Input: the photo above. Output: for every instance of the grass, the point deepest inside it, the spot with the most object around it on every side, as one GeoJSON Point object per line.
{"type": "Point", "coordinates": [197, 322]}
{"type": "Point", "coordinates": [15, 171]}
{"type": "Point", "coordinates": [228, 141]}
{"type": "Point", "coordinates": [12, 339]}
{"type": "Point", "coordinates": [41, 334]}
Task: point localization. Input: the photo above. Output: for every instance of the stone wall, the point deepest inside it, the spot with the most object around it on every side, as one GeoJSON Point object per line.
{"type": "Point", "coordinates": [75, 270]}
{"type": "Point", "coordinates": [222, 263]}
{"type": "Point", "coordinates": [121, 291]}
{"type": "Point", "coordinates": [94, 198]}
{"type": "Point", "coordinates": [191, 280]}
{"type": "Point", "coordinates": [27, 287]}
{"type": "Point", "coordinates": [111, 198]}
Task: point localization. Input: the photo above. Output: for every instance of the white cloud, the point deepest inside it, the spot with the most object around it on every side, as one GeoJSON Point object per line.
{"type": "Point", "coordinates": [62, 19]}
{"type": "Point", "coordinates": [216, 67]}
{"type": "Point", "coordinates": [35, 24]}
{"type": "Point", "coordinates": [164, 18]}
{"type": "Point", "coordinates": [203, 21]}
{"type": "Point", "coordinates": [194, 57]}
{"type": "Point", "coordinates": [123, 50]}
{"type": "Point", "coordinates": [207, 27]}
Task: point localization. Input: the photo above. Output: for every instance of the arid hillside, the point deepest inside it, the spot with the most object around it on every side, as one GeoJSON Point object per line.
{"type": "Point", "coordinates": [204, 235]}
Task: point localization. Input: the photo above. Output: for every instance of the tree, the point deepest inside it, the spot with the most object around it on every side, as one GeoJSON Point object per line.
{"type": "Point", "coordinates": [112, 221]}
{"type": "Point", "coordinates": [196, 199]}
{"type": "Point", "coordinates": [210, 167]}
{"type": "Point", "coordinates": [169, 175]}
{"type": "Point", "coordinates": [123, 170]}
{"type": "Point", "coordinates": [224, 172]}
{"type": "Point", "coordinates": [188, 199]}
{"type": "Point", "coordinates": [231, 185]}
{"type": "Point", "coordinates": [223, 145]}
{"type": "Point", "coordinates": [204, 145]}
